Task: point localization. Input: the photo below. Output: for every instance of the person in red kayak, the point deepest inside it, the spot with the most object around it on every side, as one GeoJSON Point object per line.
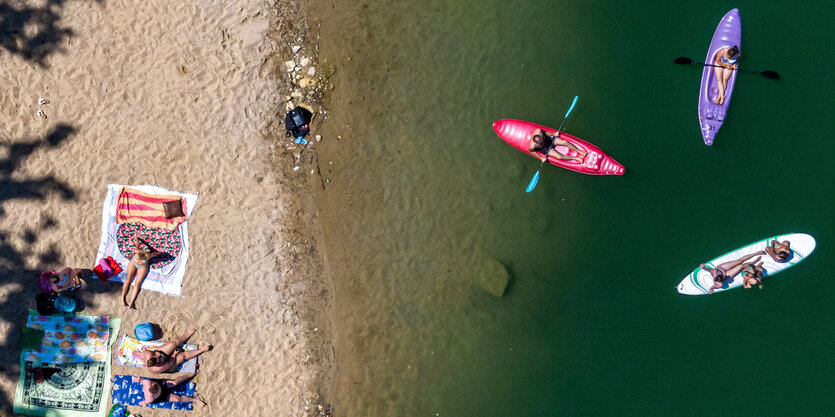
{"type": "Point", "coordinates": [726, 62]}
{"type": "Point", "coordinates": [727, 270]}
{"type": "Point", "coordinates": [540, 143]}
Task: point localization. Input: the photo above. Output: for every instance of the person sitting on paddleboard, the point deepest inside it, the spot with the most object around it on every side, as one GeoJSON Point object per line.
{"type": "Point", "coordinates": [540, 142]}
{"type": "Point", "coordinates": [727, 270]}
{"type": "Point", "coordinates": [753, 275]}
{"type": "Point", "coordinates": [726, 62]}
{"type": "Point", "coordinates": [779, 251]}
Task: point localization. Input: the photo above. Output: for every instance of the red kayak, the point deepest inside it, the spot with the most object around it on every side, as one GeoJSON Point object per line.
{"type": "Point", "coordinates": [518, 134]}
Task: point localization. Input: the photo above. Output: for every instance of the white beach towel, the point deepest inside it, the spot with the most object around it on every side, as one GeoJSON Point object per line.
{"type": "Point", "coordinates": [169, 278]}
{"type": "Point", "coordinates": [127, 353]}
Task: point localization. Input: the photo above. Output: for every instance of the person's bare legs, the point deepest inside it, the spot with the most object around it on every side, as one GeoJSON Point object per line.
{"type": "Point", "coordinates": [737, 269]}
{"type": "Point", "coordinates": [717, 70]}
{"type": "Point", "coordinates": [726, 74]}
{"type": "Point", "coordinates": [196, 400]}
{"type": "Point", "coordinates": [558, 155]}
{"type": "Point", "coordinates": [141, 273]}
{"type": "Point", "coordinates": [184, 398]}
{"type": "Point", "coordinates": [569, 145]}
{"type": "Point", "coordinates": [727, 266]}
{"type": "Point", "coordinates": [131, 273]}
{"type": "Point", "coordinates": [188, 354]}
{"type": "Point", "coordinates": [184, 338]}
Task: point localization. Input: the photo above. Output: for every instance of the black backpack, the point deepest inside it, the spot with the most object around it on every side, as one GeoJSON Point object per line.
{"type": "Point", "coordinates": [297, 122]}
{"type": "Point", "coordinates": [45, 303]}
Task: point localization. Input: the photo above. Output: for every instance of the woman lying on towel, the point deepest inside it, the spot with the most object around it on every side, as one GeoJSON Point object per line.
{"type": "Point", "coordinates": [168, 356]}
{"type": "Point", "coordinates": [159, 391]}
{"type": "Point", "coordinates": [138, 268]}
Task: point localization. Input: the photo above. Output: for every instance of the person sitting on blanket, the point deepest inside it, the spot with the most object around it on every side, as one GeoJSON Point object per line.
{"type": "Point", "coordinates": [68, 278]}
{"type": "Point", "coordinates": [168, 356]}
{"type": "Point", "coordinates": [159, 391]}
{"type": "Point", "coordinates": [137, 267]}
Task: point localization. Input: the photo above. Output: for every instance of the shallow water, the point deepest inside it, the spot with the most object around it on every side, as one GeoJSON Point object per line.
{"type": "Point", "coordinates": [423, 196]}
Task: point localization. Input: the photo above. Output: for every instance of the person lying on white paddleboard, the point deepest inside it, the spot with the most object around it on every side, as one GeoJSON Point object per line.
{"type": "Point", "coordinates": [779, 251]}
{"type": "Point", "coordinates": [540, 142]}
{"type": "Point", "coordinates": [753, 275]}
{"type": "Point", "coordinates": [727, 270]}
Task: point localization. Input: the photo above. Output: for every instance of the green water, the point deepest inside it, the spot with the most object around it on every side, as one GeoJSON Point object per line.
{"type": "Point", "coordinates": [423, 195]}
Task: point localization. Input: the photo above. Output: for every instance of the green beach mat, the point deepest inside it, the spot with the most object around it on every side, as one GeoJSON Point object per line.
{"type": "Point", "coordinates": [73, 390]}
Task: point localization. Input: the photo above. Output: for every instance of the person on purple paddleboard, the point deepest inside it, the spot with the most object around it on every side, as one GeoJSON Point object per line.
{"type": "Point", "coordinates": [726, 61]}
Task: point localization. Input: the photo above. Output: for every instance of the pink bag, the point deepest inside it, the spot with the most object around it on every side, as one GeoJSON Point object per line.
{"type": "Point", "coordinates": [43, 281]}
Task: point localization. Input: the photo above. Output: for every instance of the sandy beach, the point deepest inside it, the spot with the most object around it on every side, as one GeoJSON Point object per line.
{"type": "Point", "coordinates": [190, 97]}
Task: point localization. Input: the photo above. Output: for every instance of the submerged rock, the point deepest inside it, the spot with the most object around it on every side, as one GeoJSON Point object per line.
{"type": "Point", "coordinates": [493, 277]}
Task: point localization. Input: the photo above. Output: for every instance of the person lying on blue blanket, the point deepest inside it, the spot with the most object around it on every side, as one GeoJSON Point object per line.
{"type": "Point", "coordinates": [159, 391]}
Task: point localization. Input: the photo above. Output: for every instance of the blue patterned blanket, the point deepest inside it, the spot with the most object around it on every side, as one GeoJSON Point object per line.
{"type": "Point", "coordinates": [127, 392]}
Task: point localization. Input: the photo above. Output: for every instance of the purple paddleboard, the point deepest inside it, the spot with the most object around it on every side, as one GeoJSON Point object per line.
{"type": "Point", "coordinates": [712, 115]}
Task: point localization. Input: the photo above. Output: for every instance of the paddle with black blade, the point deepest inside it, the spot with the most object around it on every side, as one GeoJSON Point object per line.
{"type": "Point", "coordinates": [535, 178]}
{"type": "Point", "coordinates": [687, 61]}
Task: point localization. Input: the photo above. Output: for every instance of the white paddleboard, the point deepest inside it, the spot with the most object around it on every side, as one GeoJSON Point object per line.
{"type": "Point", "coordinates": [699, 281]}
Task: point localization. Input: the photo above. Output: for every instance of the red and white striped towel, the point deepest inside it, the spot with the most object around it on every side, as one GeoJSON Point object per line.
{"type": "Point", "coordinates": [137, 207]}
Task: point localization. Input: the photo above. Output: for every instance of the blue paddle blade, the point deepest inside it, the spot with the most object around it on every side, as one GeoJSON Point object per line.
{"type": "Point", "coordinates": [532, 185]}
{"type": "Point", "coordinates": [572, 106]}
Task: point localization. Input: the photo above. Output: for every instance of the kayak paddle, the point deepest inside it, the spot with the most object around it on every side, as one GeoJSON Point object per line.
{"type": "Point", "coordinates": [767, 74]}
{"type": "Point", "coordinates": [535, 178]}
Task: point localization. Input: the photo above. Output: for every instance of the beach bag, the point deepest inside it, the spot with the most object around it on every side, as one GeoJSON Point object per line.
{"type": "Point", "coordinates": [43, 281]}
{"type": "Point", "coordinates": [45, 303]}
{"type": "Point", "coordinates": [65, 302]}
{"type": "Point", "coordinates": [297, 122]}
{"type": "Point", "coordinates": [107, 268]}
{"type": "Point", "coordinates": [144, 331]}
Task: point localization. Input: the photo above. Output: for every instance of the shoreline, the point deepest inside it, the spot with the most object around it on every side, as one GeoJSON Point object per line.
{"type": "Point", "coordinates": [189, 97]}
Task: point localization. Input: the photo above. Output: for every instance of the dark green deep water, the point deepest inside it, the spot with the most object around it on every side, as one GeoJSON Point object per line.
{"type": "Point", "coordinates": [423, 195]}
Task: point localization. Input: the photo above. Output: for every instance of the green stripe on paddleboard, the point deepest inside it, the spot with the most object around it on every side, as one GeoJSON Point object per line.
{"type": "Point", "coordinates": [694, 278]}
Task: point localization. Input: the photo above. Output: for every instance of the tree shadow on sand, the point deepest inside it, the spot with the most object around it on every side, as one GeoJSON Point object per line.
{"type": "Point", "coordinates": [33, 32]}
{"type": "Point", "coordinates": [18, 286]}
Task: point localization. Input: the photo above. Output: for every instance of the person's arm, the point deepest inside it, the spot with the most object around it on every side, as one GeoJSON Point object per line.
{"type": "Point", "coordinates": [61, 273]}
{"type": "Point", "coordinates": [158, 369]}
{"type": "Point", "coordinates": [75, 277]}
